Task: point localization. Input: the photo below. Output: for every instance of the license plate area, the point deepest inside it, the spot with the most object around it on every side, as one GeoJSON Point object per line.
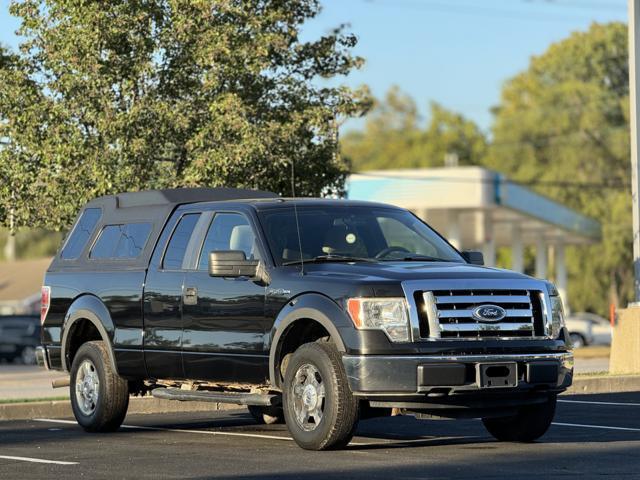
{"type": "Point", "coordinates": [497, 375]}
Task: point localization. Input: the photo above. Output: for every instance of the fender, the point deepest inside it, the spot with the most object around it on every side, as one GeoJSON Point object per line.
{"type": "Point", "coordinates": [312, 306]}
{"type": "Point", "coordinates": [88, 307]}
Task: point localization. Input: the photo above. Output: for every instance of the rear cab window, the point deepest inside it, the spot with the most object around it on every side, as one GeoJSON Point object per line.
{"type": "Point", "coordinates": [81, 233]}
{"type": "Point", "coordinates": [177, 247]}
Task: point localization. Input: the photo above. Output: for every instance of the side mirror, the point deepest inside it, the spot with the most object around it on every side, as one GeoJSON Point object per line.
{"type": "Point", "coordinates": [232, 264]}
{"type": "Point", "coordinates": [473, 257]}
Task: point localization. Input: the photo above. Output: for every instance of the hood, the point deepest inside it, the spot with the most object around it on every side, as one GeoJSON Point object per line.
{"type": "Point", "coordinates": [401, 271]}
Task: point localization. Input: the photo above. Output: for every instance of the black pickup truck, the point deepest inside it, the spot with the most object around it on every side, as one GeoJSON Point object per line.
{"type": "Point", "coordinates": [315, 312]}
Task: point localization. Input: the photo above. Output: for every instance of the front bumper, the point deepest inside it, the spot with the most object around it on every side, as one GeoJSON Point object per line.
{"type": "Point", "coordinates": [374, 376]}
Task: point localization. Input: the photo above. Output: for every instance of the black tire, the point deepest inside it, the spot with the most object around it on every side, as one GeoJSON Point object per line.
{"type": "Point", "coordinates": [28, 355]}
{"type": "Point", "coordinates": [267, 415]}
{"type": "Point", "coordinates": [107, 413]}
{"type": "Point", "coordinates": [339, 416]}
{"type": "Point", "coordinates": [577, 340]}
{"type": "Point", "coordinates": [529, 424]}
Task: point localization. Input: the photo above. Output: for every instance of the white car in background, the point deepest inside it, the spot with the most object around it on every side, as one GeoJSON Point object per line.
{"type": "Point", "coordinates": [588, 329]}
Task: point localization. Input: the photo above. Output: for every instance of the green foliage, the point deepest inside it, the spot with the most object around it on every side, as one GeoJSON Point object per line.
{"type": "Point", "coordinates": [393, 137]}
{"type": "Point", "coordinates": [566, 118]}
{"type": "Point", "coordinates": [32, 242]}
{"type": "Point", "coordinates": [123, 95]}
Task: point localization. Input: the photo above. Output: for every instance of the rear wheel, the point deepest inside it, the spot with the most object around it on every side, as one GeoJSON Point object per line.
{"type": "Point", "coordinates": [529, 424]}
{"type": "Point", "coordinates": [267, 415]}
{"type": "Point", "coordinates": [319, 408]}
{"type": "Point", "coordinates": [99, 396]}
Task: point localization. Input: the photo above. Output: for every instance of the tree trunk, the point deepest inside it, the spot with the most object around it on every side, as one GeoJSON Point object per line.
{"type": "Point", "coordinates": [10, 247]}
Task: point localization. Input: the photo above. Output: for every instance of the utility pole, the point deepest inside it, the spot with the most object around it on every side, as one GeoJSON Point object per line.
{"type": "Point", "coordinates": [625, 344]}
{"type": "Point", "coordinates": [634, 121]}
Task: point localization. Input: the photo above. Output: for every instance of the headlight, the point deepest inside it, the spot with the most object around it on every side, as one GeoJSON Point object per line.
{"type": "Point", "coordinates": [386, 314]}
{"type": "Point", "coordinates": [557, 310]}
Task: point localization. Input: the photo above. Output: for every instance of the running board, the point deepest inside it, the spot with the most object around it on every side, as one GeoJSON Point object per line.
{"type": "Point", "coordinates": [257, 399]}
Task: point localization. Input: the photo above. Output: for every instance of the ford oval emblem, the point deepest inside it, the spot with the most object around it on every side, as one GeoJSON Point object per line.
{"type": "Point", "coordinates": [489, 313]}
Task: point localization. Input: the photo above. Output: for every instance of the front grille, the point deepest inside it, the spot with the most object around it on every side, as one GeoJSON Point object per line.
{"type": "Point", "coordinates": [450, 313]}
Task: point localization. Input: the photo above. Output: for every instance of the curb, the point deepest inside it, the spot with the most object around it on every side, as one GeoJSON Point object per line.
{"type": "Point", "coordinates": [605, 384]}
{"type": "Point", "coordinates": [62, 408]}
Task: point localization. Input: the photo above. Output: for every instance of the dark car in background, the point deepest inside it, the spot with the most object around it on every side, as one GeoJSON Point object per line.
{"type": "Point", "coordinates": [19, 336]}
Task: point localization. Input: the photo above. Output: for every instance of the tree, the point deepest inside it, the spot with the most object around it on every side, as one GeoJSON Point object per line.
{"type": "Point", "coordinates": [394, 137]}
{"type": "Point", "coordinates": [566, 118]}
{"type": "Point", "coordinates": [124, 95]}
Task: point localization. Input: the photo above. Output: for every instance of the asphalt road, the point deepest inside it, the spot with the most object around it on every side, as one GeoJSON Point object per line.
{"type": "Point", "coordinates": [593, 435]}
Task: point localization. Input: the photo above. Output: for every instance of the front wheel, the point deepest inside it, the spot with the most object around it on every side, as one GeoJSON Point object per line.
{"type": "Point", "coordinates": [99, 396]}
{"type": "Point", "coordinates": [319, 408]}
{"type": "Point", "coordinates": [529, 424]}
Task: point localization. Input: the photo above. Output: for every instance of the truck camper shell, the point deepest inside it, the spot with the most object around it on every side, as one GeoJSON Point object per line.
{"type": "Point", "coordinates": [150, 208]}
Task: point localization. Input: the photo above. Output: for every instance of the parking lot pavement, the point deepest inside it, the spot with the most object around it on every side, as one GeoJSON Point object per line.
{"type": "Point", "coordinates": [593, 435]}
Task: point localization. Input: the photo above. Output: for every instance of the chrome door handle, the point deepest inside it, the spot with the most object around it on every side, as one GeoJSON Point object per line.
{"type": "Point", "coordinates": [190, 296]}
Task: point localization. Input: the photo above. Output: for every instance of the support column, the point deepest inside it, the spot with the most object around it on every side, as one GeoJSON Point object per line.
{"type": "Point", "coordinates": [453, 229]}
{"type": "Point", "coordinates": [488, 240]}
{"type": "Point", "coordinates": [517, 249]}
{"type": "Point", "coordinates": [561, 275]}
{"type": "Point", "coordinates": [634, 121]}
{"type": "Point", "coordinates": [541, 258]}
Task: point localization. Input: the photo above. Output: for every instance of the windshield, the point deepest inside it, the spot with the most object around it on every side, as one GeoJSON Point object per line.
{"type": "Point", "coordinates": [353, 233]}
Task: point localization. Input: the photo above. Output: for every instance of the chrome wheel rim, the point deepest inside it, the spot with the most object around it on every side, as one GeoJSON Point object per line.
{"type": "Point", "coordinates": [308, 395]}
{"type": "Point", "coordinates": [87, 387]}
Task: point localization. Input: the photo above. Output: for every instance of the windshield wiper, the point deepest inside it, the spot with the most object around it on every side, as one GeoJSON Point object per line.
{"type": "Point", "coordinates": [417, 258]}
{"type": "Point", "coordinates": [329, 258]}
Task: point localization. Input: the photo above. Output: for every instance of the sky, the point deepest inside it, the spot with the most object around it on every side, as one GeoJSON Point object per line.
{"type": "Point", "coordinates": [456, 52]}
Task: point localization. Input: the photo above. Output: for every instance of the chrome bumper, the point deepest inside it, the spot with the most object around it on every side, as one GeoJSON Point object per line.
{"type": "Point", "coordinates": [371, 375]}
{"type": "Point", "coordinates": [41, 357]}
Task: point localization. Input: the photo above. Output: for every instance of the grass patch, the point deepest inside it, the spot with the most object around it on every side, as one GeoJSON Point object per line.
{"type": "Point", "coordinates": [598, 351]}
{"type": "Point", "coordinates": [604, 374]}
{"type": "Point", "coordinates": [593, 374]}
{"type": "Point", "coordinates": [31, 400]}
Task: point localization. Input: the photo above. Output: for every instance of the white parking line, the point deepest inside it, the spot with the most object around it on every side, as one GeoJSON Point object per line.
{"type": "Point", "coordinates": [587, 402]}
{"type": "Point", "coordinates": [237, 434]}
{"type": "Point", "coordinates": [603, 427]}
{"type": "Point", "coordinates": [37, 460]}
{"type": "Point", "coordinates": [181, 430]}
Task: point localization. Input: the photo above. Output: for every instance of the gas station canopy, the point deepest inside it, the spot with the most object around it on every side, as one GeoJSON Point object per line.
{"type": "Point", "coordinates": [480, 209]}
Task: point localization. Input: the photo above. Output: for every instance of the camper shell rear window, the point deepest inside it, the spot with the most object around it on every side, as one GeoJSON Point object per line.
{"type": "Point", "coordinates": [81, 233]}
{"type": "Point", "coordinates": [121, 241]}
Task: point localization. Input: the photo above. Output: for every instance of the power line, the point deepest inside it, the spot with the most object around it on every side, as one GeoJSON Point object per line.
{"type": "Point", "coordinates": [436, 7]}
{"type": "Point", "coordinates": [580, 5]}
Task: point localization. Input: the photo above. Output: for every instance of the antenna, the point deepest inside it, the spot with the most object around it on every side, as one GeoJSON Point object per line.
{"type": "Point", "coordinates": [295, 213]}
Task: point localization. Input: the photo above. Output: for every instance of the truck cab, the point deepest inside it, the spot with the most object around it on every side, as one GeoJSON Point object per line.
{"type": "Point", "coordinates": [315, 312]}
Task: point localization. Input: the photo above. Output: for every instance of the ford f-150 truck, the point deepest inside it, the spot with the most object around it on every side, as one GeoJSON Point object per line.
{"type": "Point", "coordinates": [314, 312]}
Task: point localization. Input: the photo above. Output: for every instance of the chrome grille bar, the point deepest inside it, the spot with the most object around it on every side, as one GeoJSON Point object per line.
{"type": "Point", "coordinates": [480, 299]}
{"type": "Point", "coordinates": [469, 313]}
{"type": "Point", "coordinates": [486, 327]}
